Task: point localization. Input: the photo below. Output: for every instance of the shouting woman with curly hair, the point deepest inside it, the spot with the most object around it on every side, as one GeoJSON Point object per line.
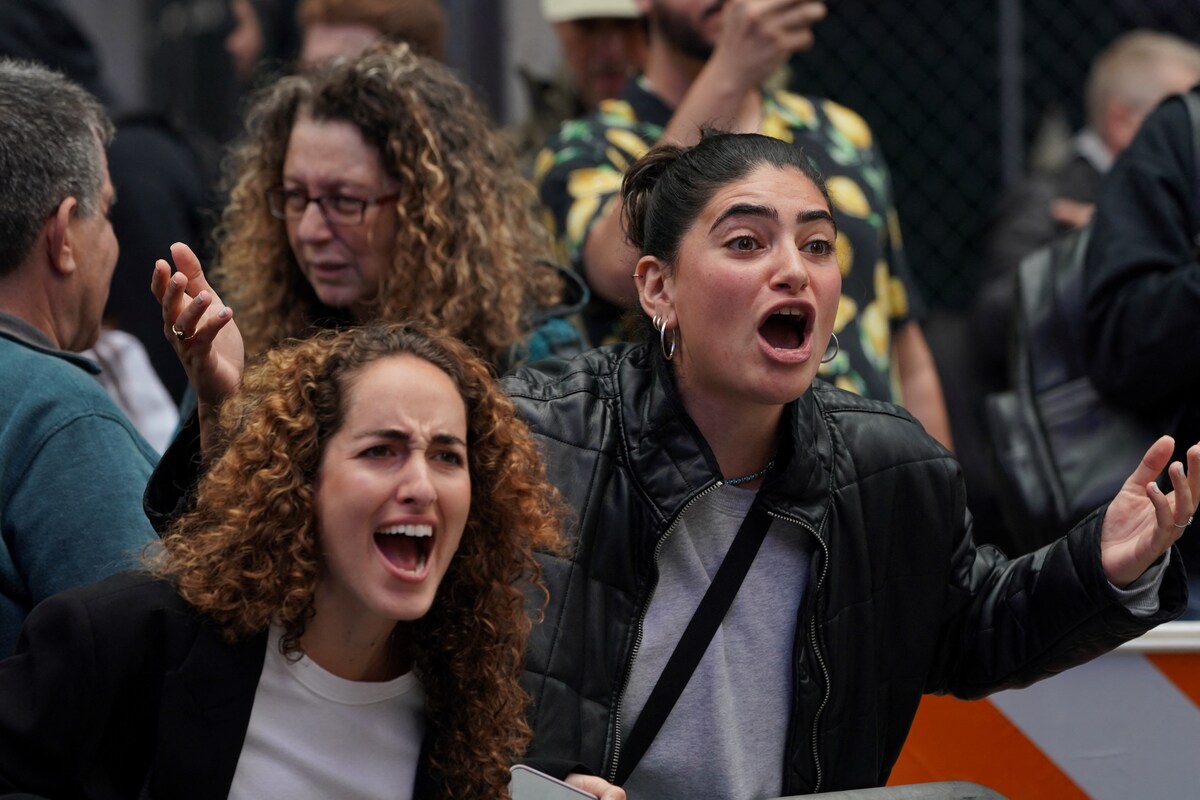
{"type": "Point", "coordinates": [342, 615]}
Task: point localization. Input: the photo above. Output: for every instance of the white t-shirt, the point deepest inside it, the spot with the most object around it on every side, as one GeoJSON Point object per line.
{"type": "Point", "coordinates": [314, 736]}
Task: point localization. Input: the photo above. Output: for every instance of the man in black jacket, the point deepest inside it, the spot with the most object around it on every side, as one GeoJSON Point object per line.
{"type": "Point", "coordinates": [1142, 284]}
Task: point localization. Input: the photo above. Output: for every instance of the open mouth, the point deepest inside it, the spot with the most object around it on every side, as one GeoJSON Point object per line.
{"type": "Point", "coordinates": [786, 329]}
{"type": "Point", "coordinates": [406, 547]}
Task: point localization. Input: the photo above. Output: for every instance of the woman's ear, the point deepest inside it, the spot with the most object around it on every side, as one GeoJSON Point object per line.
{"type": "Point", "coordinates": [655, 288]}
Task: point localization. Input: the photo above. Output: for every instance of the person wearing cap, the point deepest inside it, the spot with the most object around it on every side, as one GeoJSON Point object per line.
{"type": "Point", "coordinates": [602, 42]}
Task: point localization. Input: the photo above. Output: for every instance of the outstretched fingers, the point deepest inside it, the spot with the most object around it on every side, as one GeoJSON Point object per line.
{"type": "Point", "coordinates": [186, 297]}
{"type": "Point", "coordinates": [1173, 512]}
{"type": "Point", "coordinates": [1152, 464]}
{"type": "Point", "coordinates": [188, 264]}
{"type": "Point", "coordinates": [1185, 493]}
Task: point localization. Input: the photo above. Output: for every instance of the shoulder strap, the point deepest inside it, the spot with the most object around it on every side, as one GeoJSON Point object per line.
{"type": "Point", "coordinates": [705, 621]}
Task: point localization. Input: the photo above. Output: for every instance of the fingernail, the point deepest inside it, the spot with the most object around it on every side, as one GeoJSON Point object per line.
{"type": "Point", "coordinates": [224, 312]}
{"type": "Point", "coordinates": [200, 298]}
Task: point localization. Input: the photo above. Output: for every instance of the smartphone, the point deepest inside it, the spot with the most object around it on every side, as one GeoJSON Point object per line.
{"type": "Point", "coordinates": [529, 784]}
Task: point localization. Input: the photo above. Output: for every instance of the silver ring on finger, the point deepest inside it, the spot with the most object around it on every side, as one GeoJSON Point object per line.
{"type": "Point", "coordinates": [1184, 525]}
{"type": "Point", "coordinates": [180, 335]}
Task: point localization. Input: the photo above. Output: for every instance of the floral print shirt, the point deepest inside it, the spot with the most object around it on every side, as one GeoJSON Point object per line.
{"type": "Point", "coordinates": [579, 174]}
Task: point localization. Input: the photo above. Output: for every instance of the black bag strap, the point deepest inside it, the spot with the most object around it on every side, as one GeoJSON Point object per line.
{"type": "Point", "coordinates": [696, 637]}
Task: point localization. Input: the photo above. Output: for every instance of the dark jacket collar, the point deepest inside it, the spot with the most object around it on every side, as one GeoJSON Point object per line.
{"type": "Point", "coordinates": [205, 711]}
{"type": "Point", "coordinates": [673, 462]}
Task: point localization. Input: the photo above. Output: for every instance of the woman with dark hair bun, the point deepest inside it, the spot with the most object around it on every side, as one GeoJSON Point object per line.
{"type": "Point", "coordinates": [714, 444]}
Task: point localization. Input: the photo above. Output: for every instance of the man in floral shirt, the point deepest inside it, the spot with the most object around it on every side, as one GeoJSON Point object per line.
{"type": "Point", "coordinates": [707, 61]}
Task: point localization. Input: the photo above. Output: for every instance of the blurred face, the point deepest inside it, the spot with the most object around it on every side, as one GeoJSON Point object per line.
{"type": "Point", "coordinates": [1123, 118]}
{"type": "Point", "coordinates": [244, 44]}
{"type": "Point", "coordinates": [392, 493]}
{"type": "Point", "coordinates": [342, 262]}
{"type": "Point", "coordinates": [323, 41]}
{"type": "Point", "coordinates": [754, 293]}
{"type": "Point", "coordinates": [95, 254]}
{"type": "Point", "coordinates": [600, 54]}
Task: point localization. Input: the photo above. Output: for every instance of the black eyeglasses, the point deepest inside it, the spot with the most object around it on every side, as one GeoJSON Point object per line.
{"type": "Point", "coordinates": [337, 209]}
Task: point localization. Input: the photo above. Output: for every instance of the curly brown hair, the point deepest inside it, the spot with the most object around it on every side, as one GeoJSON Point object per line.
{"type": "Point", "coordinates": [247, 555]}
{"type": "Point", "coordinates": [468, 233]}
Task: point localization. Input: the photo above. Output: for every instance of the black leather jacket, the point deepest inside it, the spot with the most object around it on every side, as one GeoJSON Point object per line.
{"type": "Point", "coordinates": [902, 602]}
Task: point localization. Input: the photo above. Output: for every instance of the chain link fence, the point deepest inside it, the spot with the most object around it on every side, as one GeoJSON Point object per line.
{"type": "Point", "coordinates": [958, 93]}
{"type": "Point", "coordinates": [964, 97]}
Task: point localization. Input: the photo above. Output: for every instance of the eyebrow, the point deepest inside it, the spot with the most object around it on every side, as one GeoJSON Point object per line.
{"type": "Point", "coordinates": [744, 210]}
{"type": "Point", "coordinates": [767, 212]}
{"type": "Point", "coordinates": [816, 215]}
{"type": "Point", "coordinates": [331, 186]}
{"type": "Point", "coordinates": [398, 435]}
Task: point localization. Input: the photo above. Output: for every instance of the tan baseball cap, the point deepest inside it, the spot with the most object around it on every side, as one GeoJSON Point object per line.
{"type": "Point", "coordinates": [566, 10]}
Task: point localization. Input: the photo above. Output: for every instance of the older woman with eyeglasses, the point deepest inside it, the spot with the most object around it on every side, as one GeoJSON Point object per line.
{"type": "Point", "coordinates": [373, 188]}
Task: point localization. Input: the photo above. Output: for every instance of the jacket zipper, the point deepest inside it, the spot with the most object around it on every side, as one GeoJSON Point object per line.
{"type": "Point", "coordinates": [816, 648]}
{"type": "Point", "coordinates": [637, 639]}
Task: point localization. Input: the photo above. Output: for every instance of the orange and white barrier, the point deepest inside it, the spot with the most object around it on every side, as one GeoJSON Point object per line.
{"type": "Point", "coordinates": [1126, 725]}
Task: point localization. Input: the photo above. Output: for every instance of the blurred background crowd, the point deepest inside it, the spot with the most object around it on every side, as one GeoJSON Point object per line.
{"type": "Point", "coordinates": [969, 102]}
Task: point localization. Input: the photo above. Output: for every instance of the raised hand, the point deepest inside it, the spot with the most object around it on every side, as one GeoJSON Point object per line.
{"type": "Point", "coordinates": [1141, 522]}
{"type": "Point", "coordinates": [200, 328]}
{"type": "Point", "coordinates": [758, 36]}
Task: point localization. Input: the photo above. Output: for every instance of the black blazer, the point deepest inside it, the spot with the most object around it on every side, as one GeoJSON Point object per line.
{"type": "Point", "coordinates": [122, 690]}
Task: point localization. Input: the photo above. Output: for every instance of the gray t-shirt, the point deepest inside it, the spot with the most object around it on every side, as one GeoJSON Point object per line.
{"type": "Point", "coordinates": [726, 735]}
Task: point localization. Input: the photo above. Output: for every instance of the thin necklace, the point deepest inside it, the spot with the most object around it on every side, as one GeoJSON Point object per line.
{"type": "Point", "coordinates": [753, 476]}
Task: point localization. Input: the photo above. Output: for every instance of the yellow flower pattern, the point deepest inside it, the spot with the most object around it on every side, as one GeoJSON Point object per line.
{"type": "Point", "coordinates": [628, 141]}
{"type": "Point", "coordinates": [587, 186]}
{"type": "Point", "coordinates": [803, 108]}
{"type": "Point", "coordinates": [545, 160]}
{"type": "Point", "coordinates": [874, 323]}
{"type": "Point", "coordinates": [774, 125]}
{"type": "Point", "coordinates": [848, 196]}
{"type": "Point", "coordinates": [893, 226]}
{"type": "Point", "coordinates": [847, 311]}
{"type": "Point", "coordinates": [618, 110]}
{"type": "Point", "coordinates": [898, 298]}
{"type": "Point", "coordinates": [849, 124]}
{"type": "Point", "coordinates": [581, 213]}
{"type": "Point", "coordinates": [844, 253]}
